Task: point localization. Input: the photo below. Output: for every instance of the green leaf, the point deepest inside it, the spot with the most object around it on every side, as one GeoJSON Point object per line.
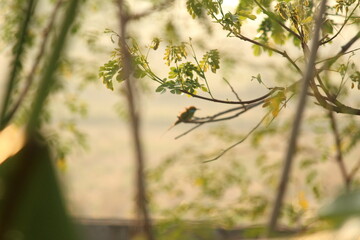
{"type": "Point", "coordinates": [160, 89]}
{"type": "Point", "coordinates": [256, 50]}
{"type": "Point", "coordinates": [306, 163]}
{"type": "Point", "coordinates": [258, 78]}
{"type": "Point", "coordinates": [108, 71]}
{"type": "Point", "coordinates": [210, 59]}
{"type": "Point", "coordinates": [278, 33]}
{"type": "Point", "coordinates": [204, 89]}
{"type": "Point", "coordinates": [307, 20]}
{"type": "Point", "coordinates": [310, 177]}
{"type": "Point", "coordinates": [342, 208]}
{"type": "Point", "coordinates": [274, 103]}
{"type": "Point", "coordinates": [175, 53]}
{"type": "Point", "coordinates": [327, 27]}
{"type": "Point", "coordinates": [194, 8]}
{"type": "Point", "coordinates": [246, 5]}
{"type": "Point", "coordinates": [246, 14]}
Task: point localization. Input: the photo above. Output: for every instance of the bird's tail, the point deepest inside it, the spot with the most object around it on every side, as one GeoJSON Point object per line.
{"type": "Point", "coordinates": [176, 123]}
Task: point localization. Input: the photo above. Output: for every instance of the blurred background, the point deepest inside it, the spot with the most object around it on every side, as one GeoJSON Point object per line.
{"type": "Point", "coordinates": [89, 124]}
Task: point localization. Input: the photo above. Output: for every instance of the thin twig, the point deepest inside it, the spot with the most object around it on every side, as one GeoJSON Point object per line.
{"type": "Point", "coordinates": [233, 90]}
{"type": "Point", "coordinates": [323, 41]}
{"type": "Point", "coordinates": [309, 74]}
{"type": "Point", "coordinates": [343, 50]}
{"type": "Point", "coordinates": [239, 142]}
{"type": "Point", "coordinates": [188, 131]}
{"type": "Point", "coordinates": [203, 76]}
{"type": "Point", "coordinates": [330, 58]}
{"type": "Point", "coordinates": [215, 119]}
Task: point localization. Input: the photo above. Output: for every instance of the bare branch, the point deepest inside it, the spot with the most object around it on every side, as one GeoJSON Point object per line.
{"type": "Point", "coordinates": [201, 121]}
{"type": "Point", "coordinates": [232, 89]}
{"type": "Point", "coordinates": [237, 143]}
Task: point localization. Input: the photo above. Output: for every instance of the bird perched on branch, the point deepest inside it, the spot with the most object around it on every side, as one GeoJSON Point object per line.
{"type": "Point", "coordinates": [185, 116]}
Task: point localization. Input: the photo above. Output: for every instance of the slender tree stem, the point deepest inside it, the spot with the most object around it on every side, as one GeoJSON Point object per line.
{"type": "Point", "coordinates": [141, 202]}
{"type": "Point", "coordinates": [19, 52]}
{"type": "Point", "coordinates": [308, 76]}
{"type": "Point", "coordinates": [47, 80]}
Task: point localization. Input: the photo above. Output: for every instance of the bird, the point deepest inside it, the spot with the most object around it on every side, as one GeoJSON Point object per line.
{"type": "Point", "coordinates": [185, 116]}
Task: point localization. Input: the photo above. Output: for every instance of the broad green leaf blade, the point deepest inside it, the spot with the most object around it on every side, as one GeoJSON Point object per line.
{"type": "Point", "coordinates": [343, 207]}
{"type": "Point", "coordinates": [31, 205]}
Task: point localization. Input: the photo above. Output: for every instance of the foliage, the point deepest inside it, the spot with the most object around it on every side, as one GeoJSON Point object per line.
{"type": "Point", "coordinates": [280, 24]}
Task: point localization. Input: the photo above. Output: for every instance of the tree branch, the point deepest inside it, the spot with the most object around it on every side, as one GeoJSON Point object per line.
{"type": "Point", "coordinates": [201, 121]}
{"type": "Point", "coordinates": [308, 76]}
{"type": "Point", "coordinates": [343, 50]}
{"type": "Point", "coordinates": [339, 155]}
{"type": "Point", "coordinates": [282, 53]}
{"type": "Point", "coordinates": [233, 102]}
